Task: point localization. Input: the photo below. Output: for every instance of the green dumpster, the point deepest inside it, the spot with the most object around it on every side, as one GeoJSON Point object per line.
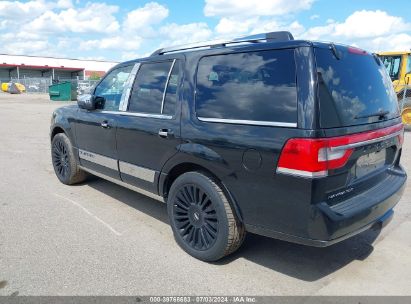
{"type": "Point", "coordinates": [62, 91]}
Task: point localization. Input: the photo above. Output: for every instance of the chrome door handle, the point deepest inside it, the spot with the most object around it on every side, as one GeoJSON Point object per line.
{"type": "Point", "coordinates": [105, 125]}
{"type": "Point", "coordinates": [165, 133]}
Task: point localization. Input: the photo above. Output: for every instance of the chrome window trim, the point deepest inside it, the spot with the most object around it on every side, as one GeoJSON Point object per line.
{"type": "Point", "coordinates": [249, 122]}
{"type": "Point", "coordinates": [98, 159]}
{"type": "Point", "coordinates": [364, 143]}
{"type": "Point", "coordinates": [165, 87]}
{"type": "Point", "coordinates": [121, 183]}
{"type": "Point", "coordinates": [137, 171]}
{"type": "Point", "coordinates": [135, 114]}
{"type": "Point", "coordinates": [125, 97]}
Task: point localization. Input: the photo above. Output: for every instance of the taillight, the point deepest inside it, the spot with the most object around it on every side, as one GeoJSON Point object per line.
{"type": "Point", "coordinates": [313, 157]}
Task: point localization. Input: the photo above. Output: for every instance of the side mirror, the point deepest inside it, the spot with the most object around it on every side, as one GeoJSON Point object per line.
{"type": "Point", "coordinates": [86, 101]}
{"type": "Point", "coordinates": [89, 102]}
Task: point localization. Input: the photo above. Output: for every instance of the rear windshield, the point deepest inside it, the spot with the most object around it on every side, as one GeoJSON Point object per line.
{"type": "Point", "coordinates": [353, 89]}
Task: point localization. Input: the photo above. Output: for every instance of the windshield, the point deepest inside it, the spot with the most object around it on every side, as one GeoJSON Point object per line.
{"type": "Point", "coordinates": [392, 64]}
{"type": "Point", "coordinates": [354, 89]}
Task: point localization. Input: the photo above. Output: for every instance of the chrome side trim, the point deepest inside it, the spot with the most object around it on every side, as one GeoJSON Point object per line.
{"type": "Point", "coordinates": [165, 88]}
{"type": "Point", "coordinates": [250, 122]}
{"type": "Point", "coordinates": [98, 159]}
{"type": "Point", "coordinates": [364, 143]}
{"type": "Point", "coordinates": [125, 97]}
{"type": "Point", "coordinates": [137, 171]}
{"type": "Point", "coordinates": [158, 116]}
{"type": "Point", "coordinates": [121, 183]}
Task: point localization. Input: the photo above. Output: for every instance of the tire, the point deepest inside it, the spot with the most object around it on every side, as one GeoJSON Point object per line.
{"type": "Point", "coordinates": [406, 114]}
{"type": "Point", "coordinates": [203, 221]}
{"type": "Point", "coordinates": [64, 162]}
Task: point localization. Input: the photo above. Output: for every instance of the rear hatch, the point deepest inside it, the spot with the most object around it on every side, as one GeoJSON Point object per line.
{"type": "Point", "coordinates": [359, 116]}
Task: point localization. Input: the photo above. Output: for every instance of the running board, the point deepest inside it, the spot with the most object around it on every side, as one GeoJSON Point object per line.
{"type": "Point", "coordinates": [121, 183]}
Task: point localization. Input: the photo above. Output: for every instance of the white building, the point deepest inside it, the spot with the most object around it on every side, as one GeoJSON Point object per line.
{"type": "Point", "coordinates": [21, 66]}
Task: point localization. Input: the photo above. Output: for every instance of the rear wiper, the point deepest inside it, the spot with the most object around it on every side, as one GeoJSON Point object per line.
{"type": "Point", "coordinates": [336, 53]}
{"type": "Point", "coordinates": [380, 114]}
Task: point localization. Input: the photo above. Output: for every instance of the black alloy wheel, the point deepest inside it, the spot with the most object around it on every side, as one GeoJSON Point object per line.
{"type": "Point", "coordinates": [65, 164]}
{"type": "Point", "coordinates": [203, 221]}
{"type": "Point", "coordinates": [195, 217]}
{"type": "Point", "coordinates": [60, 158]}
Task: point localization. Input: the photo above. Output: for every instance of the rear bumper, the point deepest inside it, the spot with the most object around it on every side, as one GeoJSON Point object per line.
{"type": "Point", "coordinates": [333, 224]}
{"type": "Point", "coordinates": [378, 224]}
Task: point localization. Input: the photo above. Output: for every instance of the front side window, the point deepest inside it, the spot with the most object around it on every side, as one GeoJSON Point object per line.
{"type": "Point", "coordinates": [408, 71]}
{"type": "Point", "coordinates": [155, 88]}
{"type": "Point", "coordinates": [256, 86]}
{"type": "Point", "coordinates": [111, 88]}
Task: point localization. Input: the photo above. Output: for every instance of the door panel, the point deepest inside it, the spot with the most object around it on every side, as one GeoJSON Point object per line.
{"type": "Point", "coordinates": [96, 130]}
{"type": "Point", "coordinates": [97, 144]}
{"type": "Point", "coordinates": [142, 152]}
{"type": "Point", "coordinates": [149, 133]}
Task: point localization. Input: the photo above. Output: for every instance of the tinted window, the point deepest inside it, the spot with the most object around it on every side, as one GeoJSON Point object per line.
{"type": "Point", "coordinates": [148, 88]}
{"type": "Point", "coordinates": [353, 89]}
{"type": "Point", "coordinates": [111, 88]}
{"type": "Point", "coordinates": [258, 86]}
{"type": "Point", "coordinates": [408, 70]}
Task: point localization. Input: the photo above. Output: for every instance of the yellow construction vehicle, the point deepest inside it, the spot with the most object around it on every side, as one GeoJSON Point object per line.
{"type": "Point", "coordinates": [398, 65]}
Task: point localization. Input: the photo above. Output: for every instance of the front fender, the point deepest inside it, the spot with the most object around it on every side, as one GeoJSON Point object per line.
{"type": "Point", "coordinates": [63, 119]}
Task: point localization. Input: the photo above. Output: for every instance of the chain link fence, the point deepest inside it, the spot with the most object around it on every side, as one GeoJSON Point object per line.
{"type": "Point", "coordinates": [34, 85]}
{"type": "Point", "coordinates": [41, 85]}
{"type": "Point", "coordinates": [82, 86]}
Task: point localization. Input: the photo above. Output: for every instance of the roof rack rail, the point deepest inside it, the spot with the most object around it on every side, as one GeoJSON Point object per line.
{"type": "Point", "coordinates": [268, 37]}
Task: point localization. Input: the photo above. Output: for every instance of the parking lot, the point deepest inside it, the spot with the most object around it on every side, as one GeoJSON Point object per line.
{"type": "Point", "coordinates": [98, 238]}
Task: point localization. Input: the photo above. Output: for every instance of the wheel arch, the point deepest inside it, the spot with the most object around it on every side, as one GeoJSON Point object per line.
{"type": "Point", "coordinates": [56, 130]}
{"type": "Point", "coordinates": [62, 127]}
{"type": "Point", "coordinates": [166, 180]}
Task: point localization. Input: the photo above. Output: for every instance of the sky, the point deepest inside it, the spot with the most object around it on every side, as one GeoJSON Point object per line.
{"type": "Point", "coordinates": [123, 30]}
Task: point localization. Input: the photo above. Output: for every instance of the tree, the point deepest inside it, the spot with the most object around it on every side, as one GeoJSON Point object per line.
{"type": "Point", "coordinates": [94, 76]}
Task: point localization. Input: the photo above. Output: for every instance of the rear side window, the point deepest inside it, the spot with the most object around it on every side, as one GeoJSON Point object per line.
{"type": "Point", "coordinates": [256, 86]}
{"type": "Point", "coordinates": [353, 89]}
{"type": "Point", "coordinates": [155, 88]}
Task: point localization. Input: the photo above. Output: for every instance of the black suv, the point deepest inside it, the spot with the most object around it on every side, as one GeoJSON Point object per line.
{"type": "Point", "coordinates": [296, 140]}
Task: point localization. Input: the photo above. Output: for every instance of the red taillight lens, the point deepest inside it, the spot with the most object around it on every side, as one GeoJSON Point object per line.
{"type": "Point", "coordinates": [313, 157]}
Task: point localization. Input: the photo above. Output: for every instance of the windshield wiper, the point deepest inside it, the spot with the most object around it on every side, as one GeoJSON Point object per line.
{"type": "Point", "coordinates": [380, 114]}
